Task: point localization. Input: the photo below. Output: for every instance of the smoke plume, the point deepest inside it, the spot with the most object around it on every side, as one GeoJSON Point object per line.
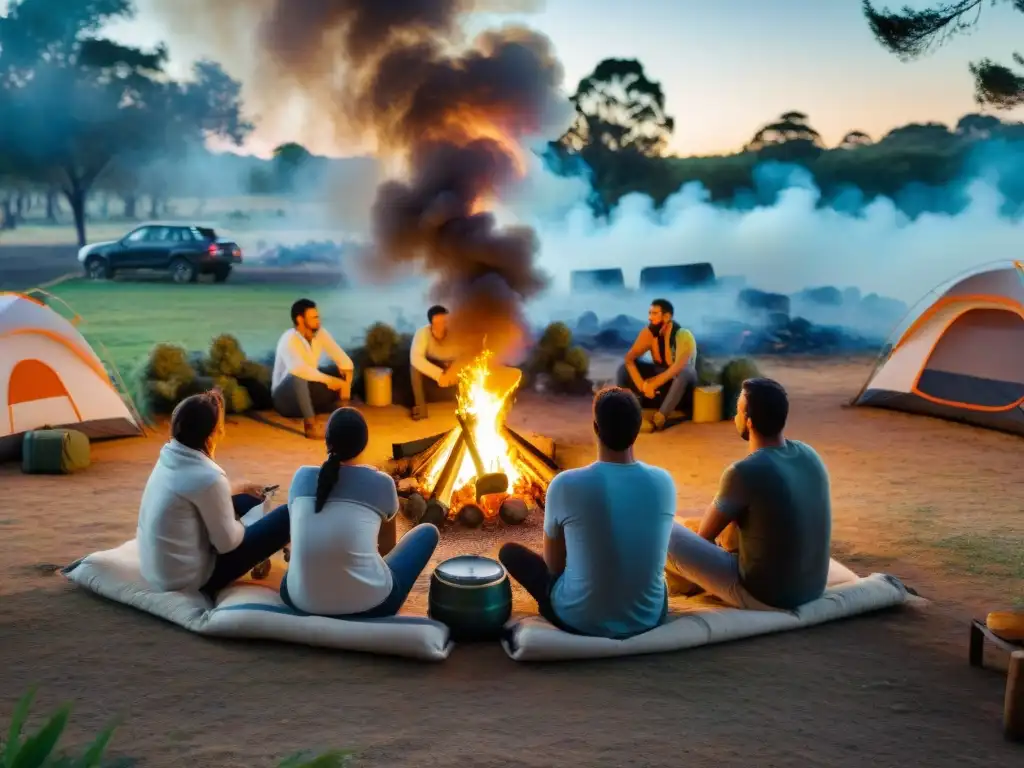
{"type": "Point", "coordinates": [450, 115]}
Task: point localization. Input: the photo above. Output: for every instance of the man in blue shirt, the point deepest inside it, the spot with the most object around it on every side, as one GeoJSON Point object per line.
{"type": "Point", "coordinates": [606, 534]}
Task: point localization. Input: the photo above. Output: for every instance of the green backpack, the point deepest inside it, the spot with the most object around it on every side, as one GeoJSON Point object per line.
{"type": "Point", "coordinates": [54, 452]}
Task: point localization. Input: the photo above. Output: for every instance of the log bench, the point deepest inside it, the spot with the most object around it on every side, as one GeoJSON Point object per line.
{"type": "Point", "coordinates": [1013, 700]}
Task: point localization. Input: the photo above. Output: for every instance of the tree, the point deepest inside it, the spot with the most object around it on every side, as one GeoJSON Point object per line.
{"type": "Point", "coordinates": [911, 33]}
{"type": "Point", "coordinates": [789, 138]}
{"type": "Point", "coordinates": [854, 139]}
{"type": "Point", "coordinates": [618, 108]}
{"type": "Point", "coordinates": [80, 103]}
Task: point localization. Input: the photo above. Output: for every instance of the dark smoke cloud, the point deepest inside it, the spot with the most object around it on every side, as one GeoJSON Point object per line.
{"type": "Point", "coordinates": [454, 114]}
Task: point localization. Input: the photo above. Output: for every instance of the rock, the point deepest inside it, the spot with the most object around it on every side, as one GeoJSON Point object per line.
{"type": "Point", "coordinates": [435, 513]}
{"type": "Point", "coordinates": [609, 338]}
{"type": "Point", "coordinates": [513, 510]}
{"type": "Point", "coordinates": [626, 326]}
{"type": "Point", "coordinates": [413, 508]}
{"type": "Point", "coordinates": [587, 324]}
{"type": "Point", "coordinates": [827, 296]}
{"type": "Point", "coordinates": [471, 516]}
{"type": "Point", "coordinates": [761, 301]}
{"type": "Point", "coordinates": [408, 484]}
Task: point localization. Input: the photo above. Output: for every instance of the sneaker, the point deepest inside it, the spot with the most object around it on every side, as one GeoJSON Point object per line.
{"type": "Point", "coordinates": [658, 421]}
{"type": "Point", "coordinates": [419, 412]}
{"type": "Point", "coordinates": [312, 429]}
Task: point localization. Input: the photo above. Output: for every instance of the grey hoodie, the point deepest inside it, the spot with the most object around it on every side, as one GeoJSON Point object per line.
{"type": "Point", "coordinates": [185, 518]}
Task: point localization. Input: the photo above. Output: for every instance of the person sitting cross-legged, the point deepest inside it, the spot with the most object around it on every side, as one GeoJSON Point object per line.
{"type": "Point", "coordinates": [189, 531]}
{"type": "Point", "coordinates": [343, 526]}
{"type": "Point", "coordinates": [667, 382]}
{"type": "Point", "coordinates": [775, 504]}
{"type": "Point", "coordinates": [606, 531]}
{"type": "Point", "coordinates": [299, 387]}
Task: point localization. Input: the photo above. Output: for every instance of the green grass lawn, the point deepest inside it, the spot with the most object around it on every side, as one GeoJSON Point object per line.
{"type": "Point", "coordinates": [129, 318]}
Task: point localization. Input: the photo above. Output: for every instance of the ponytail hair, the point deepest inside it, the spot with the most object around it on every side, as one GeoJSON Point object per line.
{"type": "Point", "coordinates": [346, 438]}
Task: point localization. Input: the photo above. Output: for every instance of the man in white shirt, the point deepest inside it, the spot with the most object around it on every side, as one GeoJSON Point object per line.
{"type": "Point", "coordinates": [299, 387]}
{"type": "Point", "coordinates": [432, 363]}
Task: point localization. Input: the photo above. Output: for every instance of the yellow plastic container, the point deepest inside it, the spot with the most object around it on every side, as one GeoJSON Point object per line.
{"type": "Point", "coordinates": [707, 404]}
{"type": "Point", "coordinates": [378, 387]}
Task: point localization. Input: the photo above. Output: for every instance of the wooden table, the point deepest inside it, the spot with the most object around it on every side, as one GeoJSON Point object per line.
{"type": "Point", "coordinates": [1013, 701]}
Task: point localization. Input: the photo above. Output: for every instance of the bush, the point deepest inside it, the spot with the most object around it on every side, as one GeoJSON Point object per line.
{"type": "Point", "coordinates": [381, 342]}
{"type": "Point", "coordinates": [734, 374]}
{"type": "Point", "coordinates": [737, 371]}
{"type": "Point", "coordinates": [170, 374]}
{"type": "Point", "coordinates": [556, 357]}
{"type": "Point", "coordinates": [707, 374]}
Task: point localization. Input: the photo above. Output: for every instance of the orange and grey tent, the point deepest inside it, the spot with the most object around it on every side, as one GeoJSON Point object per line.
{"type": "Point", "coordinates": [959, 355]}
{"type": "Point", "coordinates": [51, 377]}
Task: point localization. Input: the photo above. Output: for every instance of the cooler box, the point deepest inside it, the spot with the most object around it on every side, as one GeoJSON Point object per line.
{"type": "Point", "coordinates": [54, 452]}
{"type": "Point", "coordinates": [707, 404]}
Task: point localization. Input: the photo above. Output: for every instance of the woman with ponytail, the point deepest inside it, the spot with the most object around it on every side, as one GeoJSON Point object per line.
{"type": "Point", "coordinates": [339, 512]}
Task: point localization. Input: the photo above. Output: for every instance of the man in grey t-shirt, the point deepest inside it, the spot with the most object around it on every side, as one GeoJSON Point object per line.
{"type": "Point", "coordinates": [778, 497]}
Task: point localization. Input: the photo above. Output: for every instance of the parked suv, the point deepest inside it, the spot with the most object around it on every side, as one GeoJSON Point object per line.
{"type": "Point", "coordinates": [184, 250]}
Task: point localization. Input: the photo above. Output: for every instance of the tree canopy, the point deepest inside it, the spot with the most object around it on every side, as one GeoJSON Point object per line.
{"type": "Point", "coordinates": [911, 33]}
{"type": "Point", "coordinates": [78, 106]}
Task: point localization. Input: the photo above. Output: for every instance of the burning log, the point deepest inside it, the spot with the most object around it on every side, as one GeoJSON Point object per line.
{"type": "Point", "coordinates": [486, 482]}
{"type": "Point", "coordinates": [444, 487]}
{"type": "Point", "coordinates": [539, 464]}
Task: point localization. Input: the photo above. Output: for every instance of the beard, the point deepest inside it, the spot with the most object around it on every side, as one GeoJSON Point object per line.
{"type": "Point", "coordinates": [744, 434]}
{"type": "Point", "coordinates": [655, 328]}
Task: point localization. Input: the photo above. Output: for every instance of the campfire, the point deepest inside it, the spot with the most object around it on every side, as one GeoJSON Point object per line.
{"type": "Point", "coordinates": [482, 470]}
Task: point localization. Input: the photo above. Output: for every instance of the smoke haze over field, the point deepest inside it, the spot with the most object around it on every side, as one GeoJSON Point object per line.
{"type": "Point", "coordinates": [778, 238]}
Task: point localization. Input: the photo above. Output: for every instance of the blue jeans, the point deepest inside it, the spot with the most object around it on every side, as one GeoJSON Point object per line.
{"type": "Point", "coordinates": [406, 562]}
{"type": "Point", "coordinates": [262, 539]}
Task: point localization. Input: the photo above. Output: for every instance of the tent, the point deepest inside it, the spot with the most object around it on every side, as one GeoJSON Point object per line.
{"type": "Point", "coordinates": [50, 376]}
{"type": "Point", "coordinates": [959, 355]}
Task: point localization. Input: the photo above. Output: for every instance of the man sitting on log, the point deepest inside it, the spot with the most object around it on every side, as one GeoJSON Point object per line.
{"type": "Point", "coordinates": [672, 374]}
{"type": "Point", "coordinates": [432, 363]}
{"type": "Point", "coordinates": [772, 517]}
{"type": "Point", "coordinates": [300, 387]}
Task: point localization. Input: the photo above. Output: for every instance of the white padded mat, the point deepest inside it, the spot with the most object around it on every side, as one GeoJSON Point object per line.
{"type": "Point", "coordinates": [700, 621]}
{"type": "Point", "coordinates": [255, 612]}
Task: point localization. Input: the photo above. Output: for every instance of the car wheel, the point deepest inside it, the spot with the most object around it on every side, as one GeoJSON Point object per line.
{"type": "Point", "coordinates": [221, 274]}
{"type": "Point", "coordinates": [183, 271]}
{"type": "Point", "coordinates": [97, 268]}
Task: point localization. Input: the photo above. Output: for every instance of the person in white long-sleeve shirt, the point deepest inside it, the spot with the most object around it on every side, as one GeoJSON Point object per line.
{"type": "Point", "coordinates": [300, 387]}
{"type": "Point", "coordinates": [432, 363]}
{"type": "Point", "coordinates": [189, 535]}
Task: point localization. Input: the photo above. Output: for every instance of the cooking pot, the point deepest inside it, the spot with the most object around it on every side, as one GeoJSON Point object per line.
{"type": "Point", "coordinates": [472, 595]}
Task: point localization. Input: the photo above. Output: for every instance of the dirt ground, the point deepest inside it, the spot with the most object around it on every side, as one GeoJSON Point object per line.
{"type": "Point", "coordinates": [913, 496]}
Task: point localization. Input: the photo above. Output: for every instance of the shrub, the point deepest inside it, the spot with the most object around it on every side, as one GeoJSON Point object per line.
{"type": "Point", "coordinates": [556, 337]}
{"type": "Point", "coordinates": [381, 342]}
{"type": "Point", "coordinates": [170, 374]}
{"type": "Point", "coordinates": [707, 374]}
{"type": "Point", "coordinates": [737, 371]}
{"type": "Point", "coordinates": [556, 357]}
{"type": "Point", "coordinates": [226, 357]}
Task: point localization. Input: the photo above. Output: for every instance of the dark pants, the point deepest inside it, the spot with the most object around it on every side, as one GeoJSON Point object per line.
{"type": "Point", "coordinates": [426, 390]}
{"type": "Point", "coordinates": [529, 569]}
{"type": "Point", "coordinates": [406, 562]}
{"type": "Point", "coordinates": [296, 398]}
{"type": "Point", "coordinates": [676, 394]}
{"type": "Point", "coordinates": [262, 539]}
